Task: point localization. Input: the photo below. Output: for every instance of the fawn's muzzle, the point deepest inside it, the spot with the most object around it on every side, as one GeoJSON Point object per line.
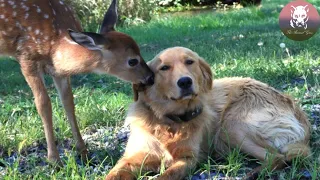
{"type": "Point", "coordinates": [150, 80]}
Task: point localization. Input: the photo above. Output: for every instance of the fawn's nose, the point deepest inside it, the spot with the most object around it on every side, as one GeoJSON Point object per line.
{"type": "Point", "coordinates": [185, 82]}
{"type": "Point", "coordinates": [150, 80]}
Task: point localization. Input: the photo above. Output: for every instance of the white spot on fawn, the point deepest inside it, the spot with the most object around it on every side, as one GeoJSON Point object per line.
{"type": "Point", "coordinates": [11, 3]}
{"type": "Point", "coordinates": [46, 16]}
{"type": "Point", "coordinates": [14, 14]}
{"type": "Point", "coordinates": [52, 42]}
{"type": "Point", "coordinates": [29, 28]}
{"type": "Point", "coordinates": [4, 33]}
{"type": "Point", "coordinates": [37, 31]}
{"type": "Point", "coordinates": [54, 12]}
{"type": "Point", "coordinates": [38, 10]}
{"type": "Point", "coordinates": [2, 16]}
{"type": "Point", "coordinates": [26, 16]}
{"type": "Point", "coordinates": [61, 2]}
{"type": "Point", "coordinates": [2, 5]}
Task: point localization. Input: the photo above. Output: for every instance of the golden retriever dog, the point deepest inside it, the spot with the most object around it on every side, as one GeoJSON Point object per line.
{"type": "Point", "coordinates": [187, 116]}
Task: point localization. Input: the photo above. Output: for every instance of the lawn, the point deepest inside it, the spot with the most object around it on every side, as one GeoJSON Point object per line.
{"type": "Point", "coordinates": [243, 42]}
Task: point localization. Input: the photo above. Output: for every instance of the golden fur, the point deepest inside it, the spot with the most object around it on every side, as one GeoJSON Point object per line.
{"type": "Point", "coordinates": [237, 112]}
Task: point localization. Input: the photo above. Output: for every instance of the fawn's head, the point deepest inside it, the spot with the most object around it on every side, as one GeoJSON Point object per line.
{"type": "Point", "coordinates": [120, 54]}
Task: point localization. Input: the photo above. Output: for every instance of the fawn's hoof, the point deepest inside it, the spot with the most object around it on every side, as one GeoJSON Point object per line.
{"type": "Point", "coordinates": [55, 161]}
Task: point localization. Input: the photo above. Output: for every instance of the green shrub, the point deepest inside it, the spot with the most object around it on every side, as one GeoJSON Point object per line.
{"type": "Point", "coordinates": [91, 12]}
{"type": "Point", "coordinates": [204, 2]}
{"type": "Point", "coordinates": [250, 2]}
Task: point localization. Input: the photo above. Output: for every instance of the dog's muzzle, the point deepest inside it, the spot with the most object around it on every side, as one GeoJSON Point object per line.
{"type": "Point", "coordinates": [186, 88]}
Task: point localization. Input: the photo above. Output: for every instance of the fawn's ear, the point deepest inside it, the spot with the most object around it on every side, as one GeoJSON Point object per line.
{"type": "Point", "coordinates": [207, 74]}
{"type": "Point", "coordinates": [91, 41]}
{"type": "Point", "coordinates": [110, 18]}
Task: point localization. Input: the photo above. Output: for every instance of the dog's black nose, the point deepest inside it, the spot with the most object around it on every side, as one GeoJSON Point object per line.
{"type": "Point", "coordinates": [150, 80]}
{"type": "Point", "coordinates": [184, 82]}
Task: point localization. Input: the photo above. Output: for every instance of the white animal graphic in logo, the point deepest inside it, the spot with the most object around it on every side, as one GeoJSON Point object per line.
{"type": "Point", "coordinates": [299, 17]}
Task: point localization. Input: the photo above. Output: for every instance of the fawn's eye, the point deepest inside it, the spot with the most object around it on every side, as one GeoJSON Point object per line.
{"type": "Point", "coordinates": [164, 68]}
{"type": "Point", "coordinates": [133, 62]}
{"type": "Point", "coordinates": [189, 62]}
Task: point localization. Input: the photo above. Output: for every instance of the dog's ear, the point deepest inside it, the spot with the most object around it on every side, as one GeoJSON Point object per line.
{"type": "Point", "coordinates": [135, 89]}
{"type": "Point", "coordinates": [207, 75]}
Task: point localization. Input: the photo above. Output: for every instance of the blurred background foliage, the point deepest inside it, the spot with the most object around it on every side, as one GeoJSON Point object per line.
{"type": "Point", "coordinates": [133, 12]}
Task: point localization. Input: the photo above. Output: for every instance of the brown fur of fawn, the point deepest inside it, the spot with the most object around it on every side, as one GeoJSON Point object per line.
{"type": "Point", "coordinates": [36, 34]}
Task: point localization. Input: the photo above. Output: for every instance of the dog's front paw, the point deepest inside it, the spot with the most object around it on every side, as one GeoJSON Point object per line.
{"type": "Point", "coordinates": [119, 175]}
{"type": "Point", "coordinates": [112, 176]}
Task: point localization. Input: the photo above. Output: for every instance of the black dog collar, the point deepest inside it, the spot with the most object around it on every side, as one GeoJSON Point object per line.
{"type": "Point", "coordinates": [187, 116]}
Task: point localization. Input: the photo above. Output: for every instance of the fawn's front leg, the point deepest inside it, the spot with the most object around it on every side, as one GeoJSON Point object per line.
{"type": "Point", "coordinates": [34, 78]}
{"type": "Point", "coordinates": [65, 92]}
{"type": "Point", "coordinates": [127, 167]}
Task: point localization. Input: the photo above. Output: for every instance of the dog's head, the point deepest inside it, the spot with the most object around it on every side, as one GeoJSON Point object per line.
{"type": "Point", "coordinates": [181, 76]}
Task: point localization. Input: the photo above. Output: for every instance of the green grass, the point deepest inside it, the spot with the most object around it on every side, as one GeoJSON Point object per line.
{"type": "Point", "coordinates": [101, 101]}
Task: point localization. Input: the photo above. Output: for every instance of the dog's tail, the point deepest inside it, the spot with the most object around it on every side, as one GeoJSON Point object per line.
{"type": "Point", "coordinates": [300, 149]}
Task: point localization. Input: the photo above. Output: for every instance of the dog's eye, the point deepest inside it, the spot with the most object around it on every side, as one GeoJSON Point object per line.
{"type": "Point", "coordinates": [164, 68]}
{"type": "Point", "coordinates": [133, 62]}
{"type": "Point", "coordinates": [189, 62]}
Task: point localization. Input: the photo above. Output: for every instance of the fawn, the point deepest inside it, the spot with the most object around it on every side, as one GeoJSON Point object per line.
{"type": "Point", "coordinates": [38, 34]}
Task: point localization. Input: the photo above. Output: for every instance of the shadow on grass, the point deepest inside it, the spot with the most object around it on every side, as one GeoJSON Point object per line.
{"type": "Point", "coordinates": [12, 82]}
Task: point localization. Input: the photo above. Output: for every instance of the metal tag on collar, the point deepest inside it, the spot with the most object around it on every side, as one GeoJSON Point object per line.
{"type": "Point", "coordinates": [192, 114]}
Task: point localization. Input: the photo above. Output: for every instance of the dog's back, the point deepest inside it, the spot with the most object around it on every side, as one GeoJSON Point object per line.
{"type": "Point", "coordinates": [255, 117]}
